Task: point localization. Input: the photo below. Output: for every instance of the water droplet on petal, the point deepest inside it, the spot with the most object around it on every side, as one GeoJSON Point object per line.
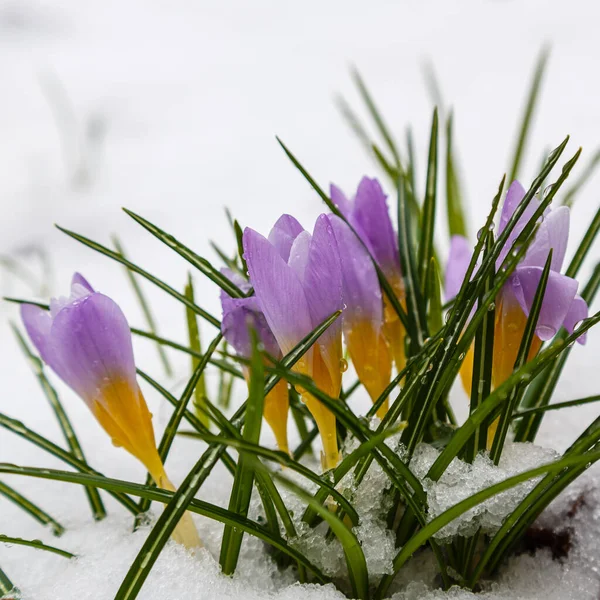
{"type": "Point", "coordinates": [343, 365]}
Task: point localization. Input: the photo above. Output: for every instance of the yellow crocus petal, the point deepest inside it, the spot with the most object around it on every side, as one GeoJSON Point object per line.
{"type": "Point", "coordinates": [508, 333]}
{"type": "Point", "coordinates": [370, 356]}
{"type": "Point", "coordinates": [393, 328]}
{"type": "Point", "coordinates": [466, 370]}
{"type": "Point", "coordinates": [324, 418]}
{"type": "Point", "coordinates": [123, 413]}
{"type": "Point", "coordinates": [276, 414]}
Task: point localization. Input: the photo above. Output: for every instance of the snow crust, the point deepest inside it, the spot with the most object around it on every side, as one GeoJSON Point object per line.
{"type": "Point", "coordinates": [461, 480]}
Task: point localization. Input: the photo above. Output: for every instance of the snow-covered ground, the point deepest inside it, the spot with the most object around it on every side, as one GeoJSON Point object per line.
{"type": "Point", "coordinates": [175, 109]}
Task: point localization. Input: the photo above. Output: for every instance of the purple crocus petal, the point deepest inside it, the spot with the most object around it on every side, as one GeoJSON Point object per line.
{"type": "Point", "coordinates": [283, 234]}
{"type": "Point", "coordinates": [514, 196]}
{"type": "Point", "coordinates": [558, 297]}
{"type": "Point", "coordinates": [79, 279]}
{"type": "Point", "coordinates": [553, 233]}
{"type": "Point", "coordinates": [577, 312]}
{"type": "Point", "coordinates": [91, 345]}
{"type": "Point", "coordinates": [371, 219]}
{"type": "Point", "coordinates": [279, 291]}
{"type": "Point", "coordinates": [38, 324]}
{"type": "Point", "coordinates": [361, 290]}
{"type": "Point", "coordinates": [242, 315]}
{"type": "Point", "coordinates": [299, 251]}
{"type": "Point", "coordinates": [457, 265]}
{"type": "Point", "coordinates": [339, 199]}
{"type": "Point", "coordinates": [227, 302]}
{"type": "Point", "coordinates": [516, 193]}
{"type": "Point", "coordinates": [323, 288]}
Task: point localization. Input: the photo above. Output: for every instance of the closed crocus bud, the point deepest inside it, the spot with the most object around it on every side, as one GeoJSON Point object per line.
{"type": "Point", "coordinates": [297, 281]}
{"type": "Point", "coordinates": [363, 313]}
{"type": "Point", "coordinates": [561, 306]}
{"type": "Point", "coordinates": [85, 339]}
{"type": "Point", "coordinates": [369, 216]}
{"type": "Point", "coordinates": [240, 315]}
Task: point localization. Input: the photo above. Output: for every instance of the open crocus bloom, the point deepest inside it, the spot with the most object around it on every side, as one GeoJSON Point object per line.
{"type": "Point", "coordinates": [369, 216]}
{"type": "Point", "coordinates": [297, 282]}
{"type": "Point", "coordinates": [240, 315]}
{"type": "Point", "coordinates": [363, 313]}
{"type": "Point", "coordinates": [561, 306]}
{"type": "Point", "coordinates": [85, 340]}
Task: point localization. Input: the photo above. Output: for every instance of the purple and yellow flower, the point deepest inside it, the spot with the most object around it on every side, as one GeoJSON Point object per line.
{"type": "Point", "coordinates": [240, 315]}
{"type": "Point", "coordinates": [297, 282]}
{"type": "Point", "coordinates": [85, 340]}
{"type": "Point", "coordinates": [369, 216]}
{"type": "Point", "coordinates": [363, 313]}
{"type": "Point", "coordinates": [561, 306]}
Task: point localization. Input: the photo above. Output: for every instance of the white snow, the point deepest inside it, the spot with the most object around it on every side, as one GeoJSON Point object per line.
{"type": "Point", "coordinates": [176, 106]}
{"type": "Point", "coordinates": [461, 480]}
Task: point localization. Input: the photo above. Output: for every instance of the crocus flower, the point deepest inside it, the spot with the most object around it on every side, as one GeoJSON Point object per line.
{"type": "Point", "coordinates": [369, 216]}
{"type": "Point", "coordinates": [240, 315]}
{"type": "Point", "coordinates": [297, 282]}
{"type": "Point", "coordinates": [85, 340]}
{"type": "Point", "coordinates": [561, 306]}
{"type": "Point", "coordinates": [363, 313]}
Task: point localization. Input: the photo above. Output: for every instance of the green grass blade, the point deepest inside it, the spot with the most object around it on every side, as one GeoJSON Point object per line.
{"type": "Point", "coordinates": [556, 406]}
{"type": "Point", "coordinates": [23, 301]}
{"type": "Point", "coordinates": [584, 246]}
{"type": "Point", "coordinates": [31, 509]}
{"type": "Point", "coordinates": [416, 323]}
{"type": "Point", "coordinates": [528, 114]}
{"type": "Point", "coordinates": [483, 353]}
{"type": "Point", "coordinates": [354, 123]}
{"type": "Point", "coordinates": [572, 192]}
{"type": "Point", "coordinates": [222, 365]}
{"type": "Point", "coordinates": [199, 262]}
{"type": "Point", "coordinates": [7, 539]}
{"type": "Point", "coordinates": [206, 509]}
{"type": "Point", "coordinates": [37, 366]}
{"type": "Point", "coordinates": [411, 168]}
{"type": "Point", "coordinates": [355, 558]}
{"type": "Point", "coordinates": [429, 206]}
{"type": "Point", "coordinates": [147, 312]}
{"type": "Point", "coordinates": [243, 482]}
{"type": "Point", "coordinates": [230, 263]}
{"type": "Point", "coordinates": [189, 416]}
{"type": "Point", "coordinates": [516, 393]}
{"type": "Point", "coordinates": [132, 267]}
{"type": "Point", "coordinates": [315, 186]}
{"type": "Point", "coordinates": [435, 314]}
{"type": "Point", "coordinates": [196, 346]}
{"type": "Point", "coordinates": [7, 586]}
{"type": "Point", "coordinates": [19, 429]}
{"type": "Point", "coordinates": [171, 429]}
{"type": "Point", "coordinates": [454, 198]}
{"type": "Point", "coordinates": [165, 525]}
{"type": "Point", "coordinates": [376, 116]}
{"type": "Point", "coordinates": [177, 415]}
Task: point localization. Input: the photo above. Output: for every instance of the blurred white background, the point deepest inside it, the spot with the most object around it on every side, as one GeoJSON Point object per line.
{"type": "Point", "coordinates": [171, 109]}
